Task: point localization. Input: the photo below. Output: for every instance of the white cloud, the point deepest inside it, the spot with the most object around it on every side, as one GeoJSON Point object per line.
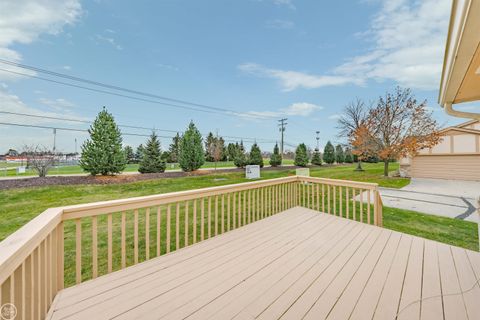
{"type": "Point", "coordinates": [335, 116]}
{"type": "Point", "coordinates": [68, 68]}
{"type": "Point", "coordinates": [406, 42]}
{"type": "Point", "coordinates": [280, 24]}
{"type": "Point", "coordinates": [13, 103]}
{"type": "Point", "coordinates": [291, 80]}
{"type": "Point", "coordinates": [287, 3]}
{"type": "Point", "coordinates": [24, 21]}
{"type": "Point", "coordinates": [284, 3]}
{"type": "Point", "coordinates": [168, 66]}
{"type": "Point", "coordinates": [59, 104]}
{"type": "Point", "coordinates": [109, 40]}
{"type": "Point", "coordinates": [301, 109]}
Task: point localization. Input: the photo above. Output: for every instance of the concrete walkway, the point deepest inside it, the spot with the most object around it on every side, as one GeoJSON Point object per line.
{"type": "Point", "coordinates": [431, 203]}
{"type": "Point", "coordinates": [458, 188]}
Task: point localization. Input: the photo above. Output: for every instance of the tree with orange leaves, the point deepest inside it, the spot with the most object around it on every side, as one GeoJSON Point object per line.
{"type": "Point", "coordinates": [398, 126]}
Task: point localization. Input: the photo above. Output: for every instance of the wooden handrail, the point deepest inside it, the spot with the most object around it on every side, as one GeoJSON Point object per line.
{"type": "Point", "coordinates": [16, 248]}
{"type": "Point", "coordinates": [32, 258]}
{"type": "Point", "coordinates": [102, 207]}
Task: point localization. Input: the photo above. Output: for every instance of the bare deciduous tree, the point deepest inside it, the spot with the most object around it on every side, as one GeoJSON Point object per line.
{"type": "Point", "coordinates": [215, 149]}
{"type": "Point", "coordinates": [39, 158]}
{"type": "Point", "coordinates": [398, 126]}
{"type": "Point", "coordinates": [354, 116]}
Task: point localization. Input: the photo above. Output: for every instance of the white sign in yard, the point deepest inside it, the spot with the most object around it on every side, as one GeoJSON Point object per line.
{"type": "Point", "coordinates": [252, 172]}
{"type": "Point", "coordinates": [20, 170]}
{"type": "Point", "coordinates": [304, 172]}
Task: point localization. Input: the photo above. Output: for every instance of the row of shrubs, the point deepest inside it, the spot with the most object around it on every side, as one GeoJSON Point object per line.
{"type": "Point", "coordinates": [103, 152]}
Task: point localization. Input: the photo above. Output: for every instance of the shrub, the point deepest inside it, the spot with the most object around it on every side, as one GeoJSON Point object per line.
{"type": "Point", "coordinates": [276, 158]}
{"type": "Point", "coordinates": [240, 159]}
{"type": "Point", "coordinates": [339, 155]}
{"type": "Point", "coordinates": [301, 157]}
{"type": "Point", "coordinates": [174, 149]}
{"type": "Point", "coordinates": [152, 161]}
{"type": "Point", "coordinates": [139, 153]}
{"type": "Point", "coordinates": [129, 156]}
{"type": "Point", "coordinates": [348, 155]}
{"type": "Point", "coordinates": [191, 155]}
{"type": "Point", "coordinates": [329, 153]}
{"type": "Point", "coordinates": [103, 152]}
{"type": "Point", "coordinates": [255, 157]}
{"type": "Point", "coordinates": [316, 158]}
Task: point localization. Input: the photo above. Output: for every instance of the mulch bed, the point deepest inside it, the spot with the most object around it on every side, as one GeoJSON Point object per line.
{"type": "Point", "coordinates": [124, 178]}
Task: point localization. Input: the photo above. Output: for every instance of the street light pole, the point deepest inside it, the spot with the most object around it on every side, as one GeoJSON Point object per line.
{"type": "Point", "coordinates": [282, 124]}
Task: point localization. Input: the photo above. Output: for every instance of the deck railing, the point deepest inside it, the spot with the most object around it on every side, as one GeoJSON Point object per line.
{"type": "Point", "coordinates": [69, 245]}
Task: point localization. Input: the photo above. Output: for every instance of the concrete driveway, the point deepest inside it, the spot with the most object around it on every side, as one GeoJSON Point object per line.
{"type": "Point", "coordinates": [449, 198]}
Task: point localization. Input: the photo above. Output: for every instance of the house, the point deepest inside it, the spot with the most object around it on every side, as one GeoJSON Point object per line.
{"type": "Point", "coordinates": [455, 157]}
{"type": "Point", "coordinates": [292, 248]}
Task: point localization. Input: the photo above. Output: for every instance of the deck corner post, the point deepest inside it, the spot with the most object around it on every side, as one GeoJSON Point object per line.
{"type": "Point", "coordinates": [60, 257]}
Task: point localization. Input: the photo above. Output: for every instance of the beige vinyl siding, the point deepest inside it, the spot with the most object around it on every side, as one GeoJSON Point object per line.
{"type": "Point", "coordinates": [458, 167]}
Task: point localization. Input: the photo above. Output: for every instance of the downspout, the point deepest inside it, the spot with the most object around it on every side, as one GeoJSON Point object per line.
{"type": "Point", "coordinates": [469, 115]}
{"type": "Point", "coordinates": [478, 214]}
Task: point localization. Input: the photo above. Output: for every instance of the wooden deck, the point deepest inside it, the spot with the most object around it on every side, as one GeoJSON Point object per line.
{"type": "Point", "coordinates": [298, 264]}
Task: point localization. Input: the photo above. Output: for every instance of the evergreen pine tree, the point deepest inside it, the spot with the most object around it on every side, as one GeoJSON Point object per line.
{"type": "Point", "coordinates": [301, 156]}
{"type": "Point", "coordinates": [129, 156]}
{"type": "Point", "coordinates": [223, 154]}
{"type": "Point", "coordinates": [240, 159]}
{"type": "Point", "coordinates": [276, 158]}
{"type": "Point", "coordinates": [152, 157]}
{"type": "Point", "coordinates": [329, 153]}
{"type": "Point", "coordinates": [231, 151]}
{"type": "Point", "coordinates": [103, 152]}
{"type": "Point", "coordinates": [209, 147]}
{"type": "Point", "coordinates": [191, 155]}
{"type": "Point", "coordinates": [255, 156]}
{"type": "Point", "coordinates": [339, 155]}
{"type": "Point", "coordinates": [316, 158]}
{"type": "Point", "coordinates": [348, 155]}
{"type": "Point", "coordinates": [174, 149]}
{"type": "Point", "coordinates": [139, 153]}
{"type": "Point", "coordinates": [166, 156]}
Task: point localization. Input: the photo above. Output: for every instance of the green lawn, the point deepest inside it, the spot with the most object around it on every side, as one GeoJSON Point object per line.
{"type": "Point", "coordinates": [18, 206]}
{"type": "Point", "coordinates": [75, 169]}
{"type": "Point", "coordinates": [451, 231]}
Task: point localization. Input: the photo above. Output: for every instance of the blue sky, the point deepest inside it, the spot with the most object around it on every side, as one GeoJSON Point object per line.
{"type": "Point", "coordinates": [262, 59]}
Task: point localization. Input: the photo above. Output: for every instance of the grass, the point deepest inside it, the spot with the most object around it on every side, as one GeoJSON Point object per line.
{"type": "Point", "coordinates": [18, 206]}
{"type": "Point", "coordinates": [76, 169]}
{"type": "Point", "coordinates": [373, 173]}
{"type": "Point", "coordinates": [451, 231]}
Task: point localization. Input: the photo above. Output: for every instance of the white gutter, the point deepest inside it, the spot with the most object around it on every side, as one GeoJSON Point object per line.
{"type": "Point", "coordinates": [460, 114]}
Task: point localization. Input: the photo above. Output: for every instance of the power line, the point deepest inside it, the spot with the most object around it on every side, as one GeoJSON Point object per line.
{"type": "Point", "coordinates": [123, 125]}
{"type": "Point", "coordinates": [69, 129]}
{"type": "Point", "coordinates": [109, 92]}
{"type": "Point", "coordinates": [136, 92]}
{"type": "Point", "coordinates": [80, 121]}
{"type": "Point", "coordinates": [101, 84]}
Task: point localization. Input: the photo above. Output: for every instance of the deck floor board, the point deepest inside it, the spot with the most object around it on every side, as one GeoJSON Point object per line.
{"type": "Point", "coordinates": [296, 264]}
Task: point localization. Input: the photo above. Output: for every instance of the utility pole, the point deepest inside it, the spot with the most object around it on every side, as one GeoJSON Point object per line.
{"type": "Point", "coordinates": [54, 139]}
{"type": "Point", "coordinates": [318, 140]}
{"type": "Point", "coordinates": [75, 146]}
{"type": "Point", "coordinates": [282, 124]}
